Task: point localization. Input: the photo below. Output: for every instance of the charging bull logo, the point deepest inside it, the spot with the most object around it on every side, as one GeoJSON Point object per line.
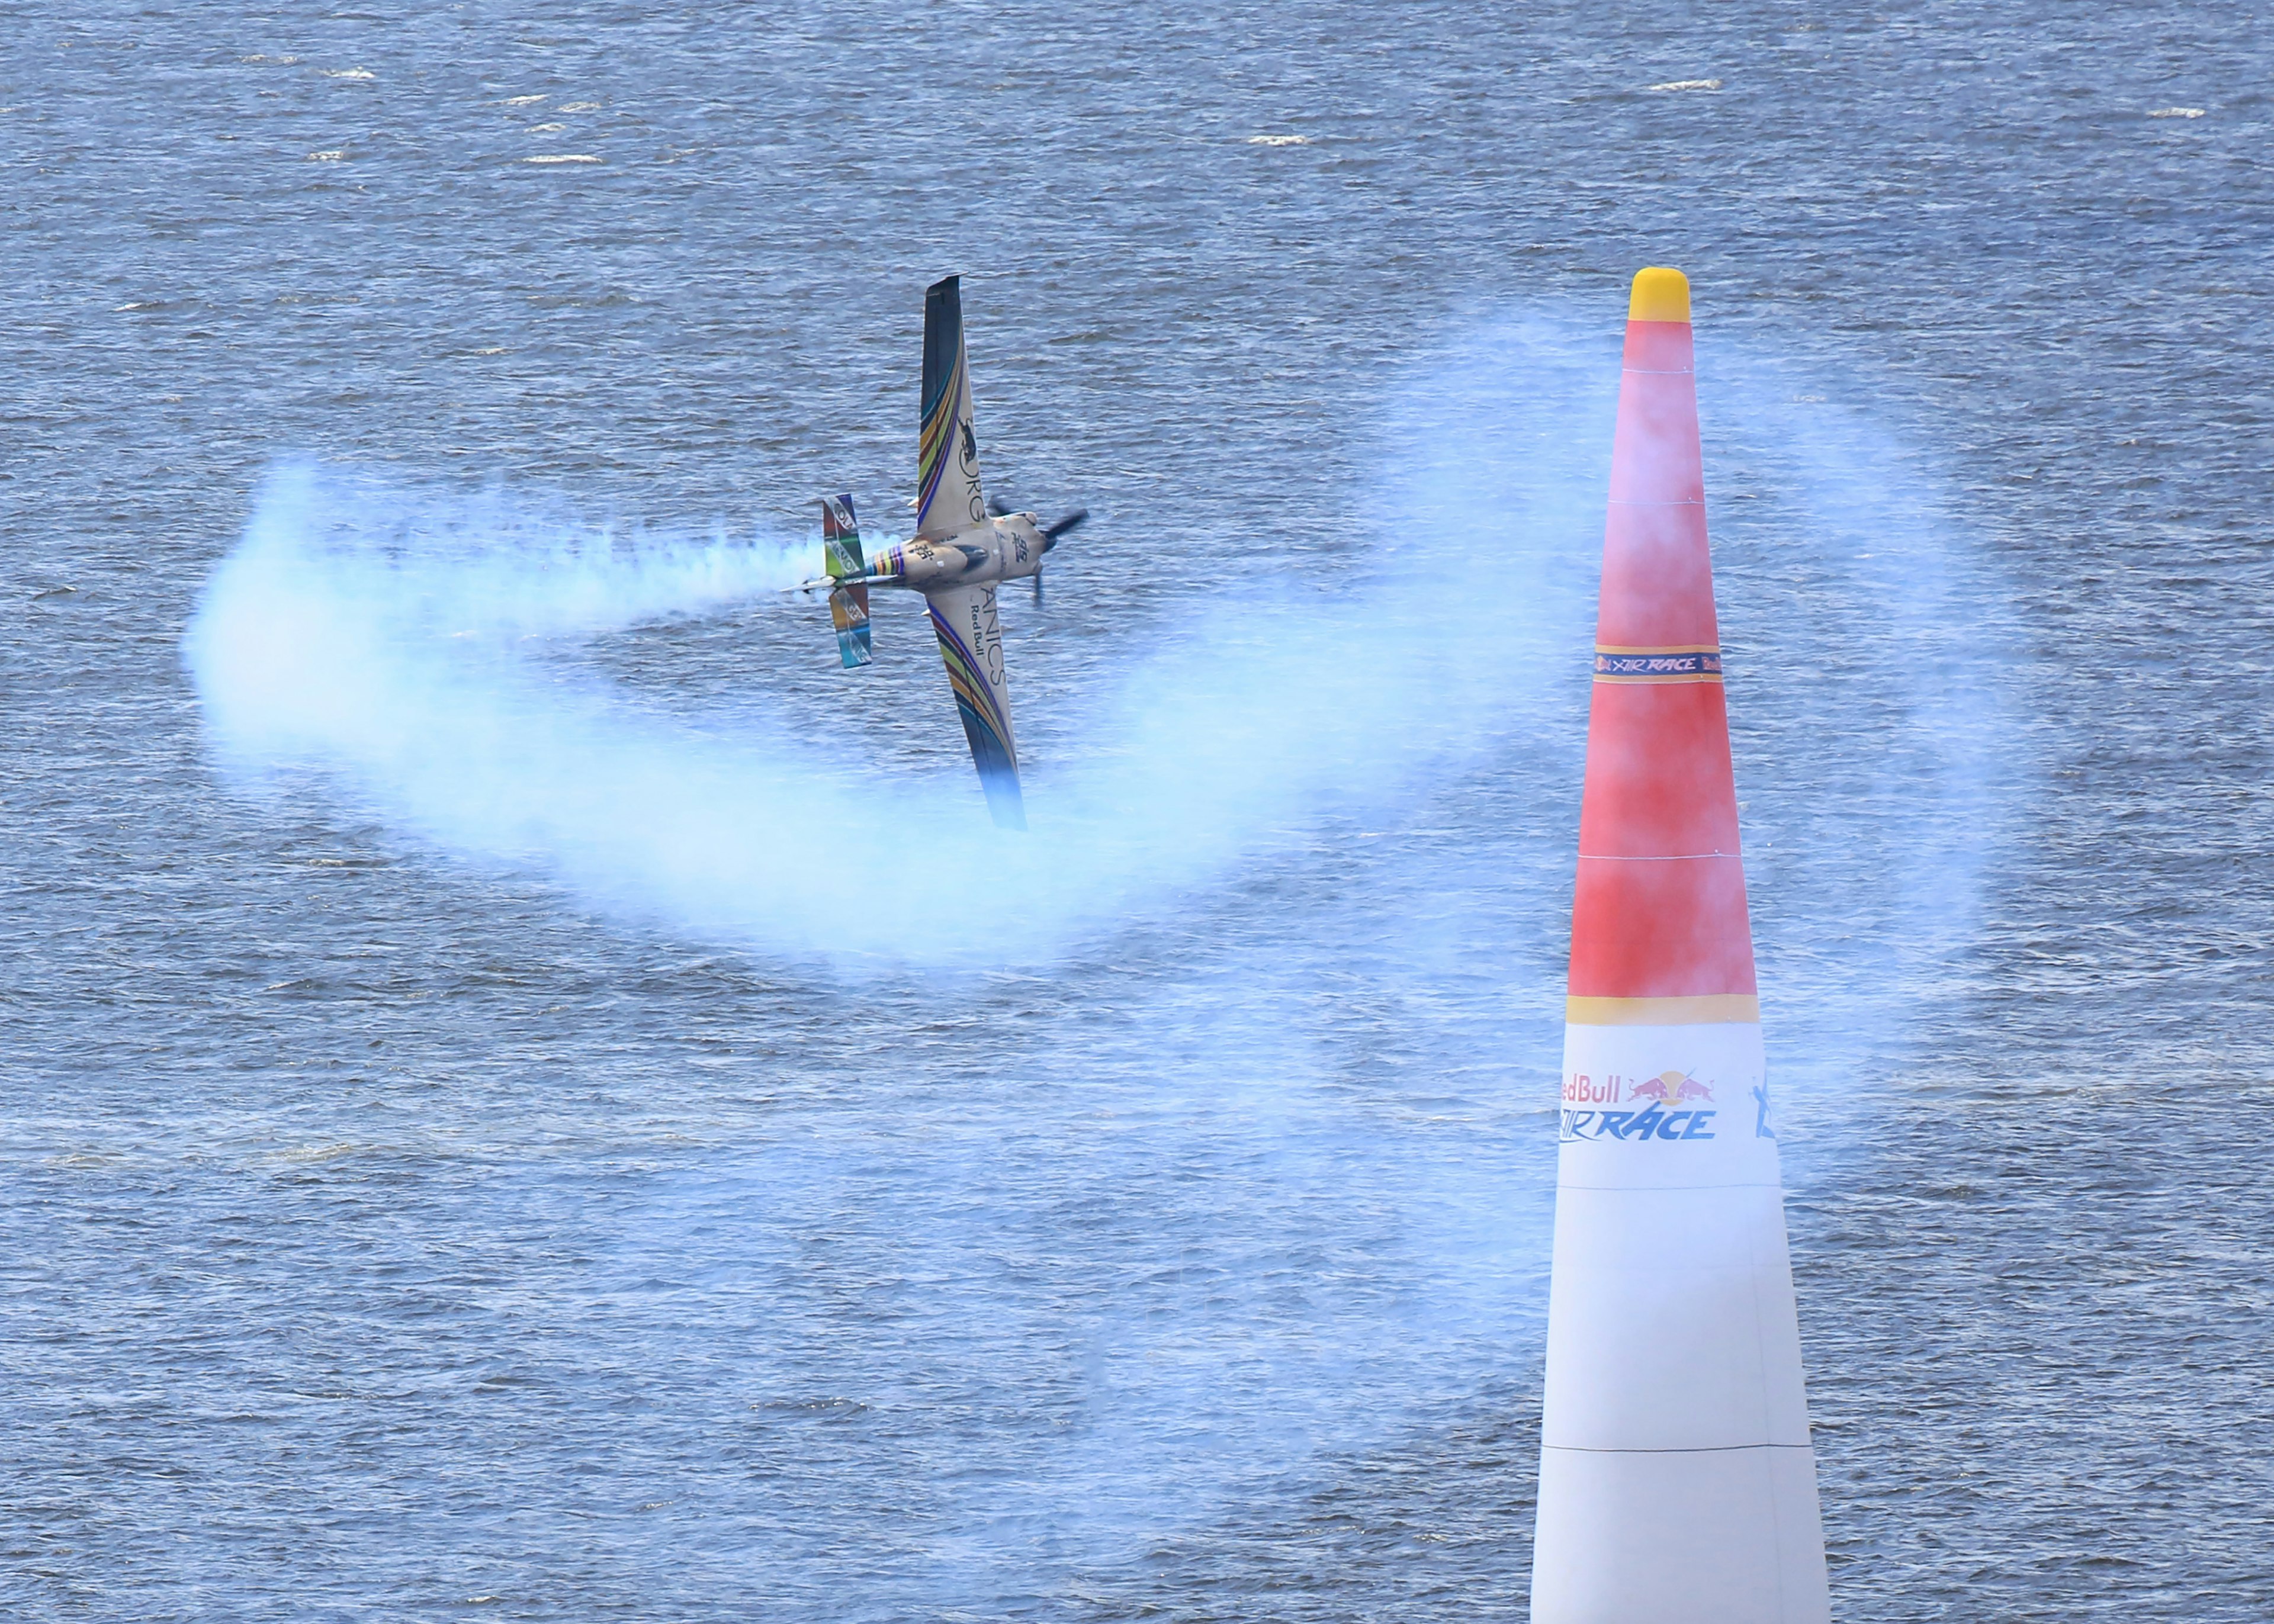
{"type": "Point", "coordinates": [1671, 1088]}
{"type": "Point", "coordinates": [1657, 1119]}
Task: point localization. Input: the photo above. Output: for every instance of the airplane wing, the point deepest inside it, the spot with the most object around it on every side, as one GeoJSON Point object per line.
{"type": "Point", "coordinates": [971, 643]}
{"type": "Point", "coordinates": [948, 498]}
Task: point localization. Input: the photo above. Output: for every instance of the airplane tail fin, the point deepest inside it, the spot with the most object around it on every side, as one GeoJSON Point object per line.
{"type": "Point", "coordinates": [848, 605]}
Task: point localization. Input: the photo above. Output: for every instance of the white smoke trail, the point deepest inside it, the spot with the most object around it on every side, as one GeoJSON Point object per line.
{"type": "Point", "coordinates": [389, 637]}
{"type": "Point", "coordinates": [412, 646]}
{"type": "Point", "coordinates": [410, 643]}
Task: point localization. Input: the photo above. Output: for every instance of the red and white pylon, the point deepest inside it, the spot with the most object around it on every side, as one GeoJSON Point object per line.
{"type": "Point", "coordinates": [1676, 1481]}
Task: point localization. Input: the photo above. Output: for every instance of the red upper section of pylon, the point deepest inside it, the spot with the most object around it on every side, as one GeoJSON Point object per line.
{"type": "Point", "coordinates": [1660, 907]}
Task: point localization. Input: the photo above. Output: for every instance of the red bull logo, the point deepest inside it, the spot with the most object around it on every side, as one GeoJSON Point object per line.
{"type": "Point", "coordinates": [1667, 1088]}
{"type": "Point", "coordinates": [1672, 1089]}
{"type": "Point", "coordinates": [1665, 1113]}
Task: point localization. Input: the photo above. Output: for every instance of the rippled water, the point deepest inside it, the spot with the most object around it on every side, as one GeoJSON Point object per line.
{"type": "Point", "coordinates": [417, 1213]}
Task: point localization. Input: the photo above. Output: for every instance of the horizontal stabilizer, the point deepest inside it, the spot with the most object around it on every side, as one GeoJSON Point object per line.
{"type": "Point", "coordinates": [840, 555]}
{"type": "Point", "coordinates": [848, 609]}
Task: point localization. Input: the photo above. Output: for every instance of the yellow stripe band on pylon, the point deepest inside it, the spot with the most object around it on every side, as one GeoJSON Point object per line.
{"type": "Point", "coordinates": [1718, 1009]}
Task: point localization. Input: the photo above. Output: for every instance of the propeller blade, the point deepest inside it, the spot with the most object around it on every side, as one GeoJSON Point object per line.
{"type": "Point", "coordinates": [1038, 585]}
{"type": "Point", "coordinates": [996, 510]}
{"type": "Point", "coordinates": [1073, 521]}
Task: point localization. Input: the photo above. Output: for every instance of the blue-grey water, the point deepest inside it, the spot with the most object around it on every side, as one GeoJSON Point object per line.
{"type": "Point", "coordinates": [530, 1095]}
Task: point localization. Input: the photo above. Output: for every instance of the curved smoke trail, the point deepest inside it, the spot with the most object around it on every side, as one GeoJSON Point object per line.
{"type": "Point", "coordinates": [408, 643]}
{"type": "Point", "coordinates": [423, 653]}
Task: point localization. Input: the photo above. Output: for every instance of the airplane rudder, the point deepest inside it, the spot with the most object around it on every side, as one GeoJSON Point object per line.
{"type": "Point", "coordinates": [841, 538]}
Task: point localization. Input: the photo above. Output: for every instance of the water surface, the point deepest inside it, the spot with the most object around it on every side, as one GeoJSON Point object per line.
{"type": "Point", "coordinates": [404, 1224]}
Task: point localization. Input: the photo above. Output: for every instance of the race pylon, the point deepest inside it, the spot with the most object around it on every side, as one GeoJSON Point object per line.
{"type": "Point", "coordinates": [1676, 1481]}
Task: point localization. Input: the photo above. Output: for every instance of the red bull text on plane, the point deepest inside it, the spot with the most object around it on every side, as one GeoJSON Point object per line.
{"type": "Point", "coordinates": [1662, 1050]}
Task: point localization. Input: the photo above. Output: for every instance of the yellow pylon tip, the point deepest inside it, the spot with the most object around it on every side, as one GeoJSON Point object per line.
{"type": "Point", "coordinates": [1660, 294]}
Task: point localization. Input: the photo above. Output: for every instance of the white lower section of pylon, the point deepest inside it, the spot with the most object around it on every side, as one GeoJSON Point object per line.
{"type": "Point", "coordinates": [1670, 1322]}
{"type": "Point", "coordinates": [1711, 1538]}
{"type": "Point", "coordinates": [1676, 1483]}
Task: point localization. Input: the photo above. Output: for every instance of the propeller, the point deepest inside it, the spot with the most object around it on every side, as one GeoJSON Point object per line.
{"type": "Point", "coordinates": [1051, 532]}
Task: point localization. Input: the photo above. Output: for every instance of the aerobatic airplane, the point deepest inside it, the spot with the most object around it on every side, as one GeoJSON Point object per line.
{"type": "Point", "coordinates": [963, 548]}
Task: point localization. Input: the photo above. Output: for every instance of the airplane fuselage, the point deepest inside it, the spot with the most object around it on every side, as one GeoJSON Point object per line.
{"type": "Point", "coordinates": [1006, 549]}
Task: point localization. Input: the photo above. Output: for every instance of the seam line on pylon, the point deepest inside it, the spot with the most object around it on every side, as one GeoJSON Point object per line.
{"type": "Point", "coordinates": [1676, 857]}
{"type": "Point", "coordinates": [1663, 371]}
{"type": "Point", "coordinates": [1663, 1189]}
{"type": "Point", "coordinates": [1703, 1450]}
